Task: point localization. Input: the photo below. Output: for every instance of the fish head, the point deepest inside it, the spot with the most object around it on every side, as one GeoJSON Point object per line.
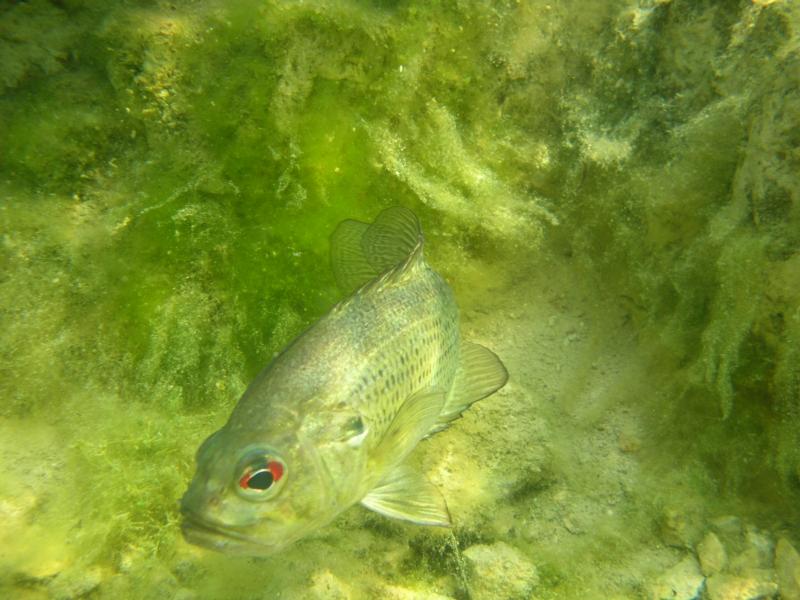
{"type": "Point", "coordinates": [257, 490]}
{"type": "Point", "coordinates": [255, 496]}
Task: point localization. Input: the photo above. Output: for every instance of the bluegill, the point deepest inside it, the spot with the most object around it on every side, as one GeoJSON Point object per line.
{"type": "Point", "coordinates": [330, 421]}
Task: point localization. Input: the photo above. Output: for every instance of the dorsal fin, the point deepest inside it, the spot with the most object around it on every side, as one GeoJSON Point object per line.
{"type": "Point", "coordinates": [392, 237]}
{"type": "Point", "coordinates": [362, 251]}
{"type": "Point", "coordinates": [480, 373]}
{"type": "Point", "coordinates": [351, 269]}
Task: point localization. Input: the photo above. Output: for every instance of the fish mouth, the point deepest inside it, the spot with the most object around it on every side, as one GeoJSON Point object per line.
{"type": "Point", "coordinates": [200, 531]}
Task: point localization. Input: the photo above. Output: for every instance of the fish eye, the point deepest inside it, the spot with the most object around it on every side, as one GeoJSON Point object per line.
{"type": "Point", "coordinates": [260, 475]}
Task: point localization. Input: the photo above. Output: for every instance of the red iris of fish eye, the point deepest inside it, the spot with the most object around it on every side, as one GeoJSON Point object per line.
{"type": "Point", "coordinates": [276, 469]}
{"type": "Point", "coordinates": [245, 480]}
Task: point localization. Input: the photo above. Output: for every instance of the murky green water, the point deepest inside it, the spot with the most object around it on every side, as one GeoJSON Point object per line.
{"type": "Point", "coordinates": [610, 187]}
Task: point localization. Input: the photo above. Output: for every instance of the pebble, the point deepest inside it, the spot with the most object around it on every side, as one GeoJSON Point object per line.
{"type": "Point", "coordinates": [499, 571]}
{"type": "Point", "coordinates": [787, 566]}
{"type": "Point", "coordinates": [711, 554]}
{"type": "Point", "coordinates": [683, 581]}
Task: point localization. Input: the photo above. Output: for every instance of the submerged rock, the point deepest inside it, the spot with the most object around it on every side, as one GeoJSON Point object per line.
{"type": "Point", "coordinates": [679, 528]}
{"type": "Point", "coordinates": [757, 554]}
{"type": "Point", "coordinates": [393, 592]}
{"type": "Point", "coordinates": [684, 581]}
{"type": "Point", "coordinates": [711, 554]}
{"type": "Point", "coordinates": [75, 583]}
{"type": "Point", "coordinates": [760, 546]}
{"type": "Point", "coordinates": [754, 586]}
{"type": "Point", "coordinates": [728, 528]}
{"type": "Point", "coordinates": [499, 571]}
{"type": "Point", "coordinates": [787, 567]}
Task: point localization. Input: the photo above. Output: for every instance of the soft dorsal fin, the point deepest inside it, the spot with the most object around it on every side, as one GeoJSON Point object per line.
{"type": "Point", "coordinates": [480, 373]}
{"type": "Point", "coordinates": [362, 251]}
{"type": "Point", "coordinates": [351, 269]}
{"type": "Point", "coordinates": [392, 237]}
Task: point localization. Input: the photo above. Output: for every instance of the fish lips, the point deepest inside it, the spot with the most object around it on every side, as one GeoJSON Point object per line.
{"type": "Point", "coordinates": [221, 538]}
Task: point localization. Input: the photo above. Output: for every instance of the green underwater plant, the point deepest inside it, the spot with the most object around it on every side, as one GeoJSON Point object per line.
{"type": "Point", "coordinates": [170, 173]}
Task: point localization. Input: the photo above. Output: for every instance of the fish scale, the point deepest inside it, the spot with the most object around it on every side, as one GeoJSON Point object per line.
{"type": "Point", "coordinates": [415, 346]}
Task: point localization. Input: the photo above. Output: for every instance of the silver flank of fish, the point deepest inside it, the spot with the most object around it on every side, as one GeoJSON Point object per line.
{"type": "Point", "coordinates": [330, 421]}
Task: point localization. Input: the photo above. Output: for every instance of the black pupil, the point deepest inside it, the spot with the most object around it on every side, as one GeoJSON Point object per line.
{"type": "Point", "coordinates": [260, 480]}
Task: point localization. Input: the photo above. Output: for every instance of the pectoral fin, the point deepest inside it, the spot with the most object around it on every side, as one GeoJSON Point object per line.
{"type": "Point", "coordinates": [407, 495]}
{"type": "Point", "coordinates": [411, 423]}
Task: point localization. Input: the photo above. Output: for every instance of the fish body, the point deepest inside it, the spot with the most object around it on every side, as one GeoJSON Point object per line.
{"type": "Point", "coordinates": [329, 422]}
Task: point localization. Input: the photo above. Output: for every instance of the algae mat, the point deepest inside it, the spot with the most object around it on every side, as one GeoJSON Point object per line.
{"type": "Point", "coordinates": [611, 189]}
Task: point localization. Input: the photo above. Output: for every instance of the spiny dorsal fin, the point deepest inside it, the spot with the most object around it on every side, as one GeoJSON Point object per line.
{"type": "Point", "coordinates": [351, 269]}
{"type": "Point", "coordinates": [362, 251]}
{"type": "Point", "coordinates": [480, 373]}
{"type": "Point", "coordinates": [407, 495]}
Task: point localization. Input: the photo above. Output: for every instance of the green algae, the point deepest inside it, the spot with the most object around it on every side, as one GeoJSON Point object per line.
{"type": "Point", "coordinates": [169, 177]}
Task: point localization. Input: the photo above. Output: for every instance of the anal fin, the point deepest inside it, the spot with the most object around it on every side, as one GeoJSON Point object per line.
{"type": "Point", "coordinates": [406, 495]}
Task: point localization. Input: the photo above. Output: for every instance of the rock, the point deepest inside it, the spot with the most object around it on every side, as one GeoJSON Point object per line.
{"type": "Point", "coordinates": [684, 581]}
{"type": "Point", "coordinates": [787, 567]}
{"type": "Point", "coordinates": [499, 571]}
{"type": "Point", "coordinates": [326, 586]}
{"type": "Point", "coordinates": [29, 548]}
{"type": "Point", "coordinates": [758, 553]}
{"type": "Point", "coordinates": [75, 583]}
{"type": "Point", "coordinates": [679, 528]}
{"type": "Point", "coordinates": [711, 554]}
{"type": "Point", "coordinates": [730, 531]}
{"type": "Point", "coordinates": [734, 587]}
{"type": "Point", "coordinates": [745, 561]}
{"type": "Point", "coordinates": [760, 545]}
{"type": "Point", "coordinates": [393, 592]}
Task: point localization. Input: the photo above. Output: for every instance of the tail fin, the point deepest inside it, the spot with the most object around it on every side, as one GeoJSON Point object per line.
{"type": "Point", "coordinates": [362, 251]}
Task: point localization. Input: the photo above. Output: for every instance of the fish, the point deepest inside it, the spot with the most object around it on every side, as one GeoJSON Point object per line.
{"type": "Point", "coordinates": [331, 420]}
